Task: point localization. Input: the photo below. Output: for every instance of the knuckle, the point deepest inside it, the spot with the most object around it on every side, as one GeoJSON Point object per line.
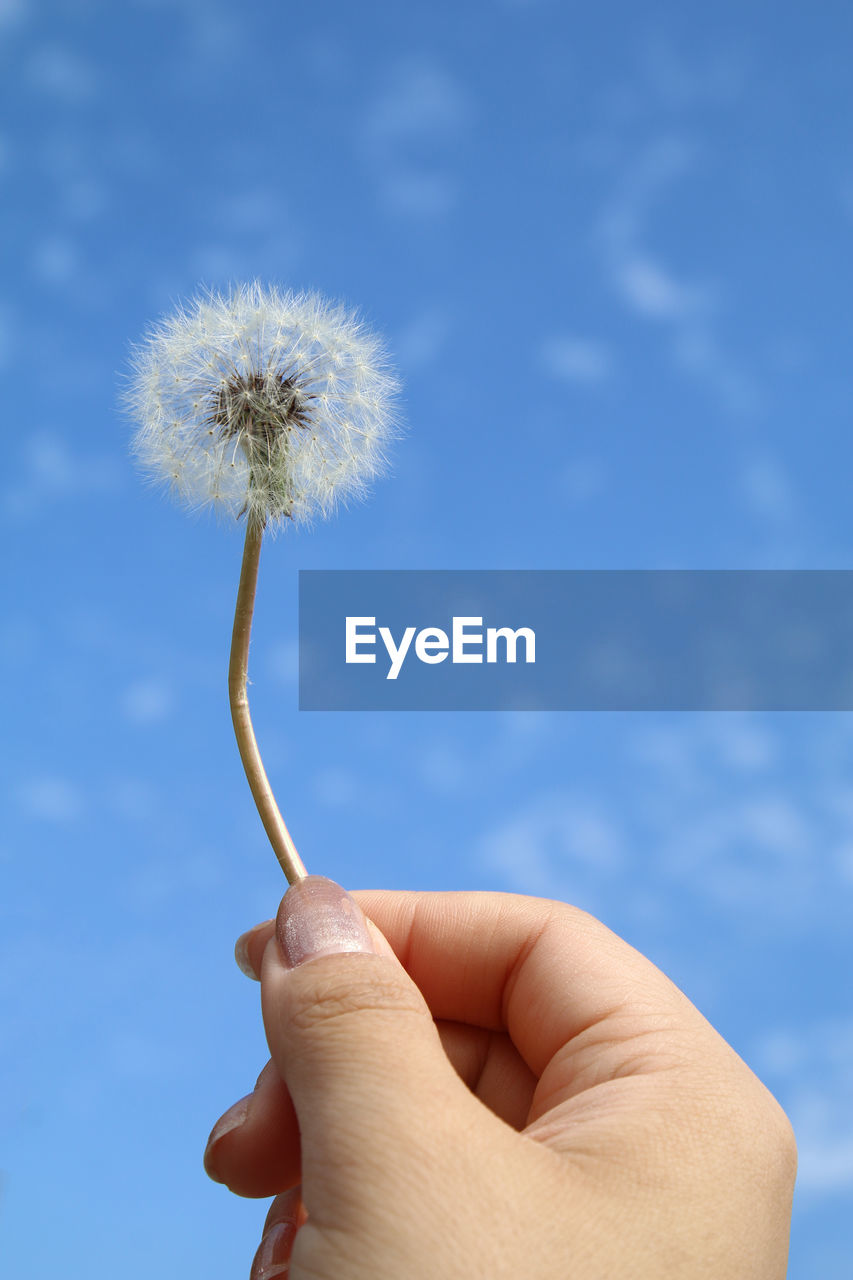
{"type": "Point", "coordinates": [764, 1136]}
{"type": "Point", "coordinates": [781, 1144]}
{"type": "Point", "coordinates": [336, 993]}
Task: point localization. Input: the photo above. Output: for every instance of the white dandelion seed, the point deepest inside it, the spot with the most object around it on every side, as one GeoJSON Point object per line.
{"type": "Point", "coordinates": [268, 405]}
{"type": "Point", "coordinates": [263, 403]}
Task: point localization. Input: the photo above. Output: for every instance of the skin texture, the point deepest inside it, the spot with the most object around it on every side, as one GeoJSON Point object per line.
{"type": "Point", "coordinates": [501, 1088]}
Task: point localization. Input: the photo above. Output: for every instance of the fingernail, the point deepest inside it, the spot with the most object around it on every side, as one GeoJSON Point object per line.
{"type": "Point", "coordinates": [319, 918]}
{"type": "Point", "coordinates": [241, 949]}
{"type": "Point", "coordinates": [241, 955]}
{"type": "Point", "coordinates": [273, 1256]}
{"type": "Point", "coordinates": [233, 1118]}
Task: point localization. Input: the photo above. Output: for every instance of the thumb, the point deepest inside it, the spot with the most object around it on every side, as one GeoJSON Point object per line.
{"type": "Point", "coordinates": [355, 1042]}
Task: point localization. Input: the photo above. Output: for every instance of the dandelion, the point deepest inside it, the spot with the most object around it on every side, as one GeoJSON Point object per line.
{"type": "Point", "coordinates": [267, 406]}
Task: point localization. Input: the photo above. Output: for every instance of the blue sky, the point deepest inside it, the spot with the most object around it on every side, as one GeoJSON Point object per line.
{"type": "Point", "coordinates": [610, 249]}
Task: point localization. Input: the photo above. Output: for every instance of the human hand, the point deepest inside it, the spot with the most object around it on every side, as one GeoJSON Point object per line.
{"type": "Point", "coordinates": [519, 1094]}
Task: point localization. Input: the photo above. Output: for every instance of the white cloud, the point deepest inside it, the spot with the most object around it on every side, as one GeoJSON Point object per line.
{"type": "Point", "coordinates": [741, 745]}
{"type": "Point", "coordinates": [336, 788]}
{"type": "Point", "coordinates": [443, 769]}
{"type": "Point", "coordinates": [724, 822]}
{"type": "Point", "coordinates": [234, 254]}
{"type": "Point", "coordinates": [420, 342]}
{"type": "Point", "coordinates": [767, 490]}
{"type": "Point", "coordinates": [50, 471]}
{"type": "Point", "coordinates": [826, 1155]}
{"type": "Point", "coordinates": [697, 351]}
{"type": "Point", "coordinates": [187, 877]}
{"type": "Point", "coordinates": [652, 290]}
{"type": "Point", "coordinates": [250, 209]}
{"type": "Point", "coordinates": [647, 178]}
{"type": "Point", "coordinates": [61, 73]}
{"type": "Point", "coordinates": [409, 137]}
{"type": "Point", "coordinates": [421, 100]}
{"type": "Point", "coordinates": [844, 861]}
{"type": "Point", "coordinates": [581, 481]}
{"type": "Point", "coordinates": [575, 359]}
{"type": "Point", "coordinates": [132, 799]}
{"type": "Point", "coordinates": [13, 11]}
{"type": "Point", "coordinates": [147, 702]}
{"type": "Point", "coordinates": [51, 799]}
{"type": "Point", "coordinates": [682, 84]}
{"type": "Point", "coordinates": [422, 194]}
{"type": "Point", "coordinates": [556, 840]}
{"type": "Point", "coordinates": [84, 199]}
{"type": "Point", "coordinates": [809, 1070]}
{"type": "Point", "coordinates": [214, 32]}
{"type": "Point", "coordinates": [55, 260]}
{"type": "Point", "coordinates": [283, 662]}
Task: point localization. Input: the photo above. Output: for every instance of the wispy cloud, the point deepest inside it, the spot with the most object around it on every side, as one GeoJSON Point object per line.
{"type": "Point", "coordinates": [409, 135]}
{"type": "Point", "coordinates": [419, 343]}
{"type": "Point", "coordinates": [421, 100]}
{"type": "Point", "coordinates": [12, 11]}
{"type": "Point", "coordinates": [686, 308]}
{"type": "Point", "coordinates": [147, 702]}
{"type": "Point", "coordinates": [51, 798]}
{"type": "Point", "coordinates": [809, 1069]}
{"type": "Point", "coordinates": [766, 488]}
{"type": "Point", "coordinates": [576, 359]}
{"type": "Point", "coordinates": [337, 786]}
{"type": "Point", "coordinates": [187, 875]}
{"type": "Point", "coordinates": [55, 260]}
{"type": "Point", "coordinates": [556, 841]}
{"type": "Point", "coordinates": [726, 824]}
{"type": "Point", "coordinates": [50, 470]}
{"type": "Point", "coordinates": [652, 290]}
{"type": "Point", "coordinates": [682, 82]}
{"type": "Point", "coordinates": [709, 812]}
{"type": "Point", "coordinates": [59, 72]}
{"type": "Point", "coordinates": [582, 480]}
{"type": "Point", "coordinates": [283, 662]}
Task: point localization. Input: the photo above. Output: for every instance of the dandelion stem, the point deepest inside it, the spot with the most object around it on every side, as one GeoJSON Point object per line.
{"type": "Point", "coordinates": [238, 670]}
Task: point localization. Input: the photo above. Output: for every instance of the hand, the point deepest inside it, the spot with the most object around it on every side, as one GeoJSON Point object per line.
{"type": "Point", "coordinates": [501, 1089]}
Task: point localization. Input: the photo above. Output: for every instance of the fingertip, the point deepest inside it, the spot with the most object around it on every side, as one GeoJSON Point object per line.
{"type": "Point", "coordinates": [232, 1119]}
{"type": "Point", "coordinates": [381, 945]}
{"type": "Point", "coordinates": [286, 1207]}
{"type": "Point", "coordinates": [284, 1219]}
{"type": "Point", "coordinates": [249, 949]}
{"type": "Point", "coordinates": [241, 955]}
{"type": "Point", "coordinates": [316, 918]}
{"type": "Point", "coordinates": [253, 1148]}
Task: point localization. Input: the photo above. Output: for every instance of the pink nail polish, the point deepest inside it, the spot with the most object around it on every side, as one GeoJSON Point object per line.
{"type": "Point", "coordinates": [319, 918]}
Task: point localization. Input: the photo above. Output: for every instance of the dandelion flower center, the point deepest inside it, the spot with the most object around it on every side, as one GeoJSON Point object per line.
{"type": "Point", "coordinates": [257, 409]}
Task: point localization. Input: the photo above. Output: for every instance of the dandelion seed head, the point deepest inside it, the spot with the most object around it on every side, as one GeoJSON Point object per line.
{"type": "Point", "coordinates": [261, 402]}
